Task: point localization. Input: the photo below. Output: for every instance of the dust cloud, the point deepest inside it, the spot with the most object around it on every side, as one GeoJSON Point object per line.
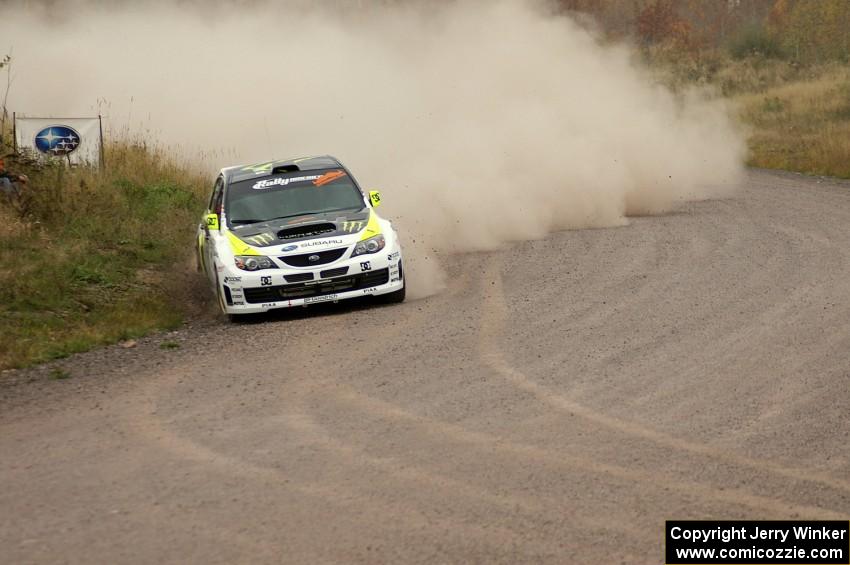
{"type": "Point", "coordinates": [482, 122]}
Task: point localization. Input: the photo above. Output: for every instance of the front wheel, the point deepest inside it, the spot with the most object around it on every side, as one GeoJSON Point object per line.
{"type": "Point", "coordinates": [393, 297]}
{"type": "Point", "coordinates": [232, 318]}
{"type": "Point", "coordinates": [397, 296]}
{"type": "Point", "coordinates": [240, 318]}
{"type": "Point", "coordinates": [220, 298]}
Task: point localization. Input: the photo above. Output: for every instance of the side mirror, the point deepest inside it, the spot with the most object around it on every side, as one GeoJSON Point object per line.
{"type": "Point", "coordinates": [211, 221]}
{"type": "Point", "coordinates": [375, 198]}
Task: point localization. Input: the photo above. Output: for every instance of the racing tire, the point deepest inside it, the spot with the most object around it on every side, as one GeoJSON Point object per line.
{"type": "Point", "coordinates": [220, 299]}
{"type": "Point", "coordinates": [232, 318]}
{"type": "Point", "coordinates": [395, 297]}
{"type": "Point", "coordinates": [199, 267]}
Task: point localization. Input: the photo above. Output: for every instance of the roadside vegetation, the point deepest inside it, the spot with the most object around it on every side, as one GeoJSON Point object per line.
{"type": "Point", "coordinates": [90, 257]}
{"type": "Point", "coordinates": [796, 117]}
{"type": "Point", "coordinates": [802, 125]}
{"type": "Point", "coordinates": [785, 64]}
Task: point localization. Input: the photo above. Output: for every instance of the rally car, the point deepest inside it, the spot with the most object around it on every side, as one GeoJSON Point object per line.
{"type": "Point", "coordinates": [294, 233]}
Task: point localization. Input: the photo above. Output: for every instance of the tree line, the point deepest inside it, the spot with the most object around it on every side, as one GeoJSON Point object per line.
{"type": "Point", "coordinates": [803, 30]}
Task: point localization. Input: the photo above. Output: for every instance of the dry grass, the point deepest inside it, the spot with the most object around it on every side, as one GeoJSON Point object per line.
{"type": "Point", "coordinates": [798, 115]}
{"type": "Point", "coordinates": [98, 256]}
{"type": "Point", "coordinates": [802, 125]}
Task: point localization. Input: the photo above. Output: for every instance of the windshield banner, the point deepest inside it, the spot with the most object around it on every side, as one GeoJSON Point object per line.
{"type": "Point", "coordinates": [75, 140]}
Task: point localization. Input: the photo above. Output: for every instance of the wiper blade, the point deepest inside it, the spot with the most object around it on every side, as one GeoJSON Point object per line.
{"type": "Point", "coordinates": [298, 214]}
{"type": "Point", "coordinates": [247, 221]}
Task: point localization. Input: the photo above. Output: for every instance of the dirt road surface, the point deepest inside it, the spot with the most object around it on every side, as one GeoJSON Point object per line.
{"type": "Point", "coordinates": [556, 404]}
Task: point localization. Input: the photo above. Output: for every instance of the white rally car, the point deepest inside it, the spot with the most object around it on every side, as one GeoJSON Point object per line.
{"type": "Point", "coordinates": [295, 233]}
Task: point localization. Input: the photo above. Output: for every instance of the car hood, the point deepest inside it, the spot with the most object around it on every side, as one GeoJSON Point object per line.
{"type": "Point", "coordinates": [301, 228]}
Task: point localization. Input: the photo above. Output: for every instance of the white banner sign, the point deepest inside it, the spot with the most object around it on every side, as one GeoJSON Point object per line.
{"type": "Point", "coordinates": [73, 139]}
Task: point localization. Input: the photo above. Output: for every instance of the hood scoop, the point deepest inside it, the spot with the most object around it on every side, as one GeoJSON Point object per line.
{"type": "Point", "coordinates": [311, 230]}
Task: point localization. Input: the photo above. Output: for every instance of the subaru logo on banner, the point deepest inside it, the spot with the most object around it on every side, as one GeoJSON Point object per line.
{"type": "Point", "coordinates": [57, 140]}
{"type": "Point", "coordinates": [75, 141]}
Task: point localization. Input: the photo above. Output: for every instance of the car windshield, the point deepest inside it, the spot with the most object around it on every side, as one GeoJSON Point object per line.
{"type": "Point", "coordinates": [291, 194]}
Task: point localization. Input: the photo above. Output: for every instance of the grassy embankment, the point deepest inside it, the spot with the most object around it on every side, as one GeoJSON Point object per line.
{"type": "Point", "coordinates": [96, 257]}
{"type": "Point", "coordinates": [797, 115]}
{"type": "Point", "coordinates": [802, 125]}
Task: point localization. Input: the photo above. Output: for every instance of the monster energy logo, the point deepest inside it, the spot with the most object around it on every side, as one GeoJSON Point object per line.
{"type": "Point", "coordinates": [352, 226]}
{"type": "Point", "coordinates": [260, 239]}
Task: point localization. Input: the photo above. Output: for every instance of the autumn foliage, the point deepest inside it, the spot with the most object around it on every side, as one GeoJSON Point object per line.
{"type": "Point", "coordinates": [802, 30]}
{"type": "Point", "coordinates": [659, 22]}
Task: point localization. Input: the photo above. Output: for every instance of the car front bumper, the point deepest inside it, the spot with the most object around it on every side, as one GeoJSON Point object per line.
{"type": "Point", "coordinates": [259, 291]}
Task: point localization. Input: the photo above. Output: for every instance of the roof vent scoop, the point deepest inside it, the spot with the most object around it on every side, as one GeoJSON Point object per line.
{"type": "Point", "coordinates": [285, 169]}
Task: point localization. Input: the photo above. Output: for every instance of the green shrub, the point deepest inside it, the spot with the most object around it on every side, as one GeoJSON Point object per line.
{"type": "Point", "coordinates": [755, 41]}
{"type": "Point", "coordinates": [93, 256]}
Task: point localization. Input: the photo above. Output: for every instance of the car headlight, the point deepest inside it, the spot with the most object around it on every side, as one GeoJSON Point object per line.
{"type": "Point", "coordinates": [371, 245]}
{"type": "Point", "coordinates": [253, 262]}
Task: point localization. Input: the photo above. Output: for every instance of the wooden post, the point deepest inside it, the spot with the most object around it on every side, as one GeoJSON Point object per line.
{"type": "Point", "coordinates": [102, 153]}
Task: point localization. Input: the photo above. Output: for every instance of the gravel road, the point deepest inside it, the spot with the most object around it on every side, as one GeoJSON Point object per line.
{"type": "Point", "coordinates": [556, 404]}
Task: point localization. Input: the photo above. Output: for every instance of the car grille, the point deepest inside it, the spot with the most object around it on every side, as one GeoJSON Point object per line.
{"type": "Point", "coordinates": [338, 272]}
{"type": "Point", "coordinates": [300, 277]}
{"type": "Point", "coordinates": [325, 257]}
{"type": "Point", "coordinates": [319, 288]}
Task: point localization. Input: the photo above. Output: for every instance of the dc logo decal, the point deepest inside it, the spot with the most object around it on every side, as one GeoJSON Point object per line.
{"type": "Point", "coordinates": [57, 140]}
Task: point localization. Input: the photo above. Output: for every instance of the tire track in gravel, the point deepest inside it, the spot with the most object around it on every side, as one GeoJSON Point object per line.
{"type": "Point", "coordinates": [146, 422]}
{"type": "Point", "coordinates": [493, 325]}
{"type": "Point", "coordinates": [488, 444]}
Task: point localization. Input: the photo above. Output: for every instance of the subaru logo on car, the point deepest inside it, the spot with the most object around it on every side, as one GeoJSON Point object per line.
{"type": "Point", "coordinates": [289, 248]}
{"type": "Point", "coordinates": [313, 258]}
{"type": "Point", "coordinates": [57, 140]}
